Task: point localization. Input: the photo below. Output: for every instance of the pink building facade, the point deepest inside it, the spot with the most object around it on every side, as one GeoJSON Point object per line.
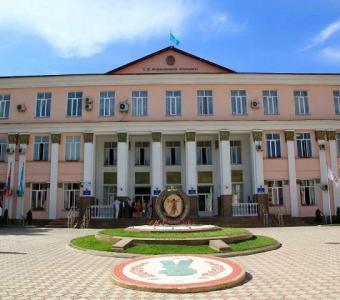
{"type": "Point", "coordinates": [230, 140]}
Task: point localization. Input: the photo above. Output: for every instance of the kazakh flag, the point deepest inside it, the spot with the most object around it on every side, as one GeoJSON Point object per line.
{"type": "Point", "coordinates": [7, 189]}
{"type": "Point", "coordinates": [173, 39]}
{"type": "Point", "coordinates": [21, 182]}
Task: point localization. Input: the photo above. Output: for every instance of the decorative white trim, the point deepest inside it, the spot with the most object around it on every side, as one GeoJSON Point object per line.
{"type": "Point", "coordinates": [156, 167]}
{"type": "Point", "coordinates": [292, 179]}
{"type": "Point", "coordinates": [191, 166]}
{"type": "Point", "coordinates": [52, 207]}
{"type": "Point", "coordinates": [179, 79]}
{"type": "Point", "coordinates": [225, 168]}
{"type": "Point", "coordinates": [145, 127]}
{"type": "Point", "coordinates": [122, 169]}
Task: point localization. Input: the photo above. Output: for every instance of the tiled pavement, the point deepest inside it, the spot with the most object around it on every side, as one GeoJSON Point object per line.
{"type": "Point", "coordinates": [38, 264]}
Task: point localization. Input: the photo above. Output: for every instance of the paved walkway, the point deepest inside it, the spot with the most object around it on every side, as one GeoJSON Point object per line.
{"type": "Point", "coordinates": [38, 264]}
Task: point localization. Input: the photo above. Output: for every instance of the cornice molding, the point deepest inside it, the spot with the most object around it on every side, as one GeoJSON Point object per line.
{"type": "Point", "coordinates": [100, 80]}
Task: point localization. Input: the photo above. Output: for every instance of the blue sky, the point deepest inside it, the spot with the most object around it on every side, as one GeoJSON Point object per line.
{"type": "Point", "coordinates": [86, 36]}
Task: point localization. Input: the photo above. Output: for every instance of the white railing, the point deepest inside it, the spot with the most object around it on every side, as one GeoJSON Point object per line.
{"type": "Point", "coordinates": [244, 209]}
{"type": "Point", "coordinates": [101, 211]}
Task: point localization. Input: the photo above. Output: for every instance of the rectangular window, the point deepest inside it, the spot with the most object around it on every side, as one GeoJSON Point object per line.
{"type": "Point", "coordinates": [107, 104]}
{"type": "Point", "coordinates": [173, 103]}
{"type": "Point", "coordinates": [338, 142]}
{"type": "Point", "coordinates": [275, 192]}
{"type": "Point", "coordinates": [307, 192]}
{"type": "Point", "coordinates": [110, 194]}
{"type": "Point", "coordinates": [4, 105]}
{"type": "Point", "coordinates": [173, 153]}
{"type": "Point", "coordinates": [72, 148]}
{"type": "Point", "coordinates": [235, 153]}
{"type": "Point", "coordinates": [139, 103]}
{"type": "Point", "coordinates": [142, 154]}
{"type": "Point", "coordinates": [204, 155]}
{"type": "Point", "coordinates": [110, 154]}
{"type": "Point", "coordinates": [336, 95]}
{"type": "Point", "coordinates": [71, 195]}
{"type": "Point", "coordinates": [270, 102]}
{"type": "Point", "coordinates": [304, 145]}
{"type": "Point", "coordinates": [301, 103]}
{"type": "Point", "coordinates": [74, 104]}
{"type": "Point", "coordinates": [3, 147]}
{"type": "Point", "coordinates": [39, 195]}
{"type": "Point", "coordinates": [205, 102]}
{"type": "Point", "coordinates": [239, 102]}
{"type": "Point", "coordinates": [273, 145]}
{"type": "Point", "coordinates": [40, 151]}
{"type": "Point", "coordinates": [43, 108]}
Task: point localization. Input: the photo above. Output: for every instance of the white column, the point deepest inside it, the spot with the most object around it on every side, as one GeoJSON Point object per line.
{"type": "Point", "coordinates": [23, 141]}
{"type": "Point", "coordinates": [12, 140]}
{"type": "Point", "coordinates": [257, 152]}
{"type": "Point", "coordinates": [334, 166]}
{"type": "Point", "coordinates": [289, 136]}
{"type": "Point", "coordinates": [191, 164]}
{"type": "Point", "coordinates": [320, 136]}
{"type": "Point", "coordinates": [156, 164]}
{"type": "Point", "coordinates": [88, 183]}
{"type": "Point", "coordinates": [52, 207]}
{"type": "Point", "coordinates": [122, 165]}
{"type": "Point", "coordinates": [225, 167]}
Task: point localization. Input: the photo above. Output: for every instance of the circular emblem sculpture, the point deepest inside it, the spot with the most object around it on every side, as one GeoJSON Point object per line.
{"type": "Point", "coordinates": [170, 60]}
{"type": "Point", "coordinates": [172, 206]}
{"type": "Point", "coordinates": [178, 273]}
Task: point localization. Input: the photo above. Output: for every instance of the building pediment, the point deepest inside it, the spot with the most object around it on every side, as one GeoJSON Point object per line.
{"type": "Point", "coordinates": [170, 60]}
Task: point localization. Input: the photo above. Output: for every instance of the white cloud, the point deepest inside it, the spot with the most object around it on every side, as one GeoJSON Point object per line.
{"type": "Point", "coordinates": [324, 35]}
{"type": "Point", "coordinates": [221, 22]}
{"type": "Point", "coordinates": [85, 27]}
{"type": "Point", "coordinates": [331, 53]}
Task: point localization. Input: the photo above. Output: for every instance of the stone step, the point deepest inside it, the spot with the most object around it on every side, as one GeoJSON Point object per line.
{"type": "Point", "coordinates": [122, 244]}
{"type": "Point", "coordinates": [219, 245]}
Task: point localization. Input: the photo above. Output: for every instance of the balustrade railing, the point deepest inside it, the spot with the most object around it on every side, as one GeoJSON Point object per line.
{"type": "Point", "coordinates": [245, 209]}
{"type": "Point", "coordinates": [101, 211]}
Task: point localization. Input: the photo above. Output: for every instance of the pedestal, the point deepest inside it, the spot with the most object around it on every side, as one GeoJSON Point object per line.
{"type": "Point", "coordinates": [226, 206]}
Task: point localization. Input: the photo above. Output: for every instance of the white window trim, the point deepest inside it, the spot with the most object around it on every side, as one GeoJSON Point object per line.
{"type": "Point", "coordinates": [38, 114]}
{"type": "Point", "coordinates": [69, 192]}
{"type": "Point", "coordinates": [105, 99]}
{"type": "Point", "coordinates": [74, 148]}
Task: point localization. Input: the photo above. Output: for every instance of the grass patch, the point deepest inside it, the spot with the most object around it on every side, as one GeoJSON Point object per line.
{"type": "Point", "coordinates": [90, 242]}
{"type": "Point", "coordinates": [258, 241]}
{"type": "Point", "coordinates": [212, 233]}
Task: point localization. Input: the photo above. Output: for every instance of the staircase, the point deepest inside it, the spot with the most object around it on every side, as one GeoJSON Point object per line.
{"type": "Point", "coordinates": [59, 223]}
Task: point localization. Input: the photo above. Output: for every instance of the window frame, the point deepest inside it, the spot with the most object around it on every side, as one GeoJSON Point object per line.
{"type": "Point", "coordinates": [207, 147]}
{"type": "Point", "coordinates": [73, 97]}
{"type": "Point", "coordinates": [304, 145]}
{"type": "Point", "coordinates": [3, 148]}
{"type": "Point", "coordinates": [107, 98]}
{"type": "Point", "coordinates": [336, 99]}
{"type": "Point", "coordinates": [273, 145]}
{"type": "Point", "coordinates": [239, 102]}
{"type": "Point", "coordinates": [270, 102]}
{"type": "Point", "coordinates": [44, 101]}
{"type": "Point", "coordinates": [205, 105]}
{"type": "Point", "coordinates": [107, 150]}
{"type": "Point", "coordinates": [67, 193]}
{"type": "Point", "coordinates": [169, 145]}
{"type": "Point", "coordinates": [305, 184]}
{"type": "Point", "coordinates": [35, 195]}
{"type": "Point", "coordinates": [277, 187]}
{"type": "Point", "coordinates": [338, 143]}
{"type": "Point", "coordinates": [238, 149]}
{"type": "Point", "coordinates": [74, 150]}
{"type": "Point", "coordinates": [298, 97]}
{"type": "Point", "coordinates": [5, 100]}
{"type": "Point", "coordinates": [146, 155]}
{"type": "Point", "coordinates": [37, 147]}
{"type": "Point", "coordinates": [139, 103]}
{"type": "Point", "coordinates": [170, 96]}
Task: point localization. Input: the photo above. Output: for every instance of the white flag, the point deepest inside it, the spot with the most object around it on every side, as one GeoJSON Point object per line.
{"type": "Point", "coordinates": [333, 178]}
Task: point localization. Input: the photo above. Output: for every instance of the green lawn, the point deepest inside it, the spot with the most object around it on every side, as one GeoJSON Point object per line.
{"type": "Point", "coordinates": [220, 232]}
{"type": "Point", "coordinates": [90, 242]}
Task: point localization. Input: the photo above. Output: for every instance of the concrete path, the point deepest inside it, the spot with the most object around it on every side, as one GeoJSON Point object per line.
{"type": "Point", "coordinates": [38, 264]}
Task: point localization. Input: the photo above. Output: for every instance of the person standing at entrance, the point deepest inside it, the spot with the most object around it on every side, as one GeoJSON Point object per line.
{"type": "Point", "coordinates": [117, 208]}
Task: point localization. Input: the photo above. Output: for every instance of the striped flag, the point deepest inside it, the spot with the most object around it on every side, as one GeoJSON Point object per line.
{"type": "Point", "coordinates": [21, 182]}
{"type": "Point", "coordinates": [332, 177]}
{"type": "Point", "coordinates": [7, 189]}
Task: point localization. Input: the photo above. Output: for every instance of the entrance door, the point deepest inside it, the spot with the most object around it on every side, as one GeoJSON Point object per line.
{"type": "Point", "coordinates": [144, 208]}
{"type": "Point", "coordinates": [205, 201]}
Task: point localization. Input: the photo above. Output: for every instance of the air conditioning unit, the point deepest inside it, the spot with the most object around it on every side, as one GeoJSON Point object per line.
{"type": "Point", "coordinates": [88, 104]}
{"type": "Point", "coordinates": [10, 150]}
{"type": "Point", "coordinates": [255, 104]}
{"type": "Point", "coordinates": [21, 107]}
{"type": "Point", "coordinates": [322, 146]}
{"type": "Point", "coordinates": [124, 106]}
{"type": "Point", "coordinates": [324, 187]}
{"type": "Point", "coordinates": [258, 147]}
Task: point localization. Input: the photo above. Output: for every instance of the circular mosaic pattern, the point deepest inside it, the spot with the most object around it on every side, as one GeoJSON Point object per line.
{"type": "Point", "coordinates": [178, 273]}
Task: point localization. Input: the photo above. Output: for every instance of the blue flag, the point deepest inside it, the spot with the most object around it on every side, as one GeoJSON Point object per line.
{"type": "Point", "coordinates": [21, 183]}
{"type": "Point", "coordinates": [173, 39]}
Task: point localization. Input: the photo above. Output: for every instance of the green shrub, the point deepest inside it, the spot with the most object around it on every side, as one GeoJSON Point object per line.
{"type": "Point", "coordinates": [337, 215]}
{"type": "Point", "coordinates": [318, 217]}
{"type": "Point", "coordinates": [29, 218]}
{"type": "Point", "coordinates": [4, 219]}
